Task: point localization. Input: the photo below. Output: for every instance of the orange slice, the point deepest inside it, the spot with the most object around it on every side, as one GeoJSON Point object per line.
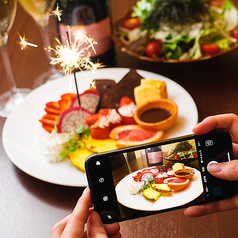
{"type": "Point", "coordinates": [130, 135]}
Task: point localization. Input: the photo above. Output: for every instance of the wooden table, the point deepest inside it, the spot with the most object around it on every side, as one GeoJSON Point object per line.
{"type": "Point", "coordinates": [29, 207]}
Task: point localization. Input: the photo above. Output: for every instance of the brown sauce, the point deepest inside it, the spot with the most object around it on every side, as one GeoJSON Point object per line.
{"type": "Point", "coordinates": [182, 173]}
{"type": "Point", "coordinates": [155, 115]}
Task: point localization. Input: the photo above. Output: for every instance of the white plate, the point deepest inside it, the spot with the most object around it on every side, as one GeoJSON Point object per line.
{"type": "Point", "coordinates": [21, 129]}
{"type": "Point", "coordinates": [139, 202]}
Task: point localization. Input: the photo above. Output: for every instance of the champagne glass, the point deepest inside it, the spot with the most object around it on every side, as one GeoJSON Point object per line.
{"type": "Point", "coordinates": [40, 11]}
{"type": "Point", "coordinates": [10, 99]}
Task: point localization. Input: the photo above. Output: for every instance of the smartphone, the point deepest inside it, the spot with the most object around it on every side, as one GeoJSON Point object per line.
{"type": "Point", "coordinates": [157, 177]}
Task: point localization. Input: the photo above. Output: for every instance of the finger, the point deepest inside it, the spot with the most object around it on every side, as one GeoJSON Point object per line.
{"type": "Point", "coordinates": [113, 230]}
{"type": "Point", "coordinates": [235, 150]}
{"type": "Point", "coordinates": [225, 121]}
{"type": "Point", "coordinates": [58, 228]}
{"type": "Point", "coordinates": [227, 170]}
{"type": "Point", "coordinates": [95, 228]}
{"type": "Point", "coordinates": [75, 225]}
{"type": "Point", "coordinates": [209, 208]}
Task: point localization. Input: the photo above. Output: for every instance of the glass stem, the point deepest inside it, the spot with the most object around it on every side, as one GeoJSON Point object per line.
{"type": "Point", "coordinates": [7, 64]}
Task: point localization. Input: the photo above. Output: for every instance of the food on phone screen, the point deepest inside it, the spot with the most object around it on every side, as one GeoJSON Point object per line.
{"type": "Point", "coordinates": [153, 182]}
{"type": "Point", "coordinates": [182, 151]}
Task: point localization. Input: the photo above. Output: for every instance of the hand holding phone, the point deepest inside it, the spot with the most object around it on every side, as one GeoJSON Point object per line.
{"type": "Point", "coordinates": [227, 171]}
{"type": "Point", "coordinates": [112, 176]}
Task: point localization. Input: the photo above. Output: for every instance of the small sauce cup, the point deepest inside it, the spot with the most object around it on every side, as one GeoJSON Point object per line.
{"type": "Point", "coordinates": [157, 115]}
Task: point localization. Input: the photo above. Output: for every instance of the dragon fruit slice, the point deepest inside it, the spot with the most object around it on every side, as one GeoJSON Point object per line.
{"type": "Point", "coordinates": [88, 100]}
{"type": "Point", "coordinates": [72, 118]}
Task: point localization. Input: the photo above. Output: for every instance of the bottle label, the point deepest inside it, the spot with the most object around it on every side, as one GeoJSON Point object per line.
{"type": "Point", "coordinates": [99, 31]}
{"type": "Point", "coordinates": [155, 157]}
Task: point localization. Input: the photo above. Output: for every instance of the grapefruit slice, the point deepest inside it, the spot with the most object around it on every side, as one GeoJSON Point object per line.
{"type": "Point", "coordinates": [130, 135]}
{"type": "Point", "coordinates": [177, 184]}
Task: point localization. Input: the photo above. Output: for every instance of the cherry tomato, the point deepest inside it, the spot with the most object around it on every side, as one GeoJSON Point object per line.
{"type": "Point", "coordinates": [131, 23]}
{"type": "Point", "coordinates": [210, 49]}
{"type": "Point", "coordinates": [234, 33]}
{"type": "Point", "coordinates": [153, 49]}
{"type": "Point", "coordinates": [176, 157]}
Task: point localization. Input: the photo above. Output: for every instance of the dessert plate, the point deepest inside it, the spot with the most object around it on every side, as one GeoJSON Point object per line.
{"type": "Point", "coordinates": [21, 130]}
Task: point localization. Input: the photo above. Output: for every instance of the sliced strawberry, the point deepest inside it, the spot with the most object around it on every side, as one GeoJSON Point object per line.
{"type": "Point", "coordinates": [54, 105]}
{"type": "Point", "coordinates": [125, 101]}
{"type": "Point", "coordinates": [92, 119]}
{"type": "Point", "coordinates": [67, 96]}
{"type": "Point", "coordinates": [48, 128]}
{"type": "Point", "coordinates": [50, 117]}
{"type": "Point", "coordinates": [100, 133]}
{"type": "Point", "coordinates": [64, 104]}
{"type": "Point", "coordinates": [52, 111]}
{"type": "Point", "coordinates": [47, 122]}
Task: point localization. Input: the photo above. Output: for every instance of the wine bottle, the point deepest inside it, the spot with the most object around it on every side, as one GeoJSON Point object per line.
{"type": "Point", "coordinates": [154, 156]}
{"type": "Point", "coordinates": [91, 17]}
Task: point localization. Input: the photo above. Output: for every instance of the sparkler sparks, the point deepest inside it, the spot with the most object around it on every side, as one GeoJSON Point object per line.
{"type": "Point", "coordinates": [57, 12]}
{"type": "Point", "coordinates": [24, 43]}
{"type": "Point", "coordinates": [72, 56]}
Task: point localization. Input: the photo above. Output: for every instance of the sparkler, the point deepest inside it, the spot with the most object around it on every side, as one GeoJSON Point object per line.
{"type": "Point", "coordinates": [24, 43]}
{"type": "Point", "coordinates": [72, 55]}
{"type": "Point", "coordinates": [57, 12]}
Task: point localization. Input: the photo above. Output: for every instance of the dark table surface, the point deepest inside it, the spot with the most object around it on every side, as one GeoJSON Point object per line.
{"type": "Point", "coordinates": [29, 207]}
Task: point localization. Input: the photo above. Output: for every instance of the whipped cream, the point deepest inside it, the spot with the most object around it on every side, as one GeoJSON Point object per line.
{"type": "Point", "coordinates": [128, 110]}
{"type": "Point", "coordinates": [104, 121]}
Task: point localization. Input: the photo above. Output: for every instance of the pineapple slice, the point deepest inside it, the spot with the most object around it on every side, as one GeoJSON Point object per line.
{"type": "Point", "coordinates": [79, 156]}
{"type": "Point", "coordinates": [161, 188]}
{"type": "Point", "coordinates": [90, 147]}
{"type": "Point", "coordinates": [151, 194]}
{"type": "Point", "coordinates": [98, 146]}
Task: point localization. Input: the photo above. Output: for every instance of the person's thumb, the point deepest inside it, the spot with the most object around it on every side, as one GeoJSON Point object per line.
{"type": "Point", "coordinates": [226, 171]}
{"type": "Point", "coordinates": [95, 228]}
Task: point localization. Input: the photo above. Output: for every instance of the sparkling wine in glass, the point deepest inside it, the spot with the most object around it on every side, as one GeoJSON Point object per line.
{"type": "Point", "coordinates": [10, 99]}
{"type": "Point", "coordinates": [40, 11]}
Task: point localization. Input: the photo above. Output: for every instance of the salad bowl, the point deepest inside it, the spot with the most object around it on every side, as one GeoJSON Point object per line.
{"type": "Point", "coordinates": [133, 39]}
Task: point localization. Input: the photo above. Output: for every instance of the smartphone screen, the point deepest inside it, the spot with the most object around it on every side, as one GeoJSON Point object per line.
{"type": "Point", "coordinates": [143, 180]}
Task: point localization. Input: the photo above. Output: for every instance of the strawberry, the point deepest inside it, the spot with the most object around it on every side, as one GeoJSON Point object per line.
{"type": "Point", "coordinates": [53, 111]}
{"type": "Point", "coordinates": [54, 105]}
{"type": "Point", "coordinates": [64, 104]}
{"type": "Point", "coordinates": [67, 96]}
{"type": "Point", "coordinates": [48, 128]}
{"type": "Point", "coordinates": [127, 120]}
{"type": "Point", "coordinates": [91, 120]}
{"type": "Point", "coordinates": [47, 122]}
{"type": "Point", "coordinates": [100, 133]}
{"type": "Point", "coordinates": [125, 101]}
{"type": "Point", "coordinates": [104, 111]}
{"type": "Point", "coordinates": [50, 117]}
